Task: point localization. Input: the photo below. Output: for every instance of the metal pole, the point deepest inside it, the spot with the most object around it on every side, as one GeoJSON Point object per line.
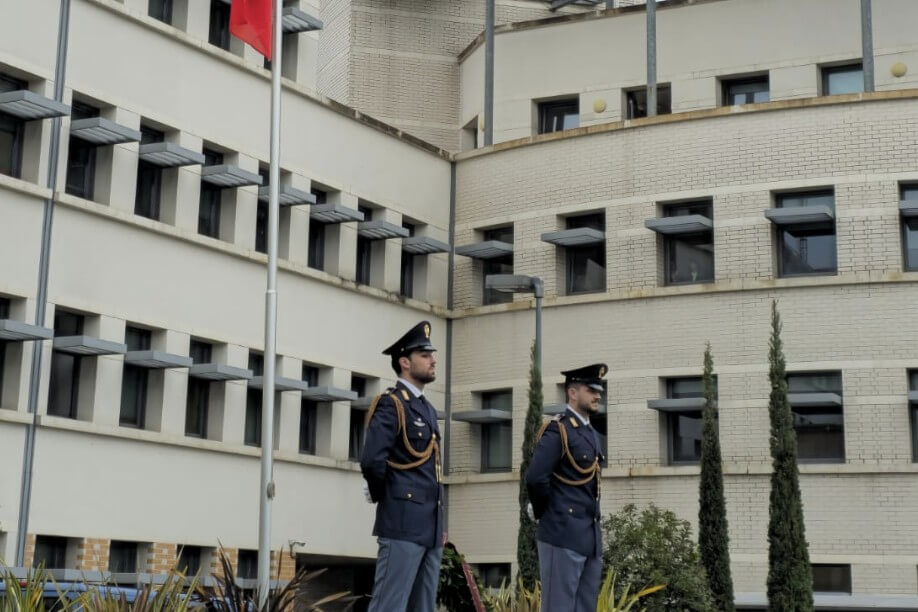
{"type": "Point", "coordinates": [537, 289]}
{"type": "Point", "coordinates": [447, 438]}
{"type": "Point", "coordinates": [867, 44]}
{"type": "Point", "coordinates": [651, 58]}
{"type": "Point", "coordinates": [489, 74]}
{"type": "Point", "coordinates": [267, 413]}
{"type": "Point", "coordinates": [41, 297]}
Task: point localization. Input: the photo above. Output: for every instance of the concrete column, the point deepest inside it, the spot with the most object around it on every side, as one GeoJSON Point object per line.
{"type": "Point", "coordinates": [341, 240]}
{"type": "Point", "coordinates": [63, 151]}
{"type": "Point", "coordinates": [181, 189]}
{"type": "Point", "coordinates": [430, 271]}
{"type": "Point", "coordinates": [239, 207]}
{"type": "Point", "coordinates": [333, 418]}
{"type": "Point", "coordinates": [287, 408]}
{"type": "Point", "coordinates": [116, 165]}
{"type": "Point", "coordinates": [15, 392]}
{"type": "Point", "coordinates": [386, 255]}
{"type": "Point", "coordinates": [174, 384]}
{"type": "Point", "coordinates": [226, 413]}
{"type": "Point", "coordinates": [100, 377]}
{"type": "Point", "coordinates": [293, 225]}
{"type": "Point", "coordinates": [192, 16]}
{"type": "Point", "coordinates": [37, 141]}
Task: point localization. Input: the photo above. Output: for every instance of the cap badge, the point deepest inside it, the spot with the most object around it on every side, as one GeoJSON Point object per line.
{"type": "Point", "coordinates": [427, 331]}
{"type": "Point", "coordinates": [602, 371]}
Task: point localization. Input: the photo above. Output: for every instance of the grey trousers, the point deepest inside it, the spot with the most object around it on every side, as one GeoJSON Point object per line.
{"type": "Point", "coordinates": [406, 577]}
{"type": "Point", "coordinates": [570, 581]}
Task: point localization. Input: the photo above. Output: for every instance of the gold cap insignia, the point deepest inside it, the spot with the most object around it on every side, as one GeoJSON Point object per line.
{"type": "Point", "coordinates": [427, 331]}
{"type": "Point", "coordinates": [602, 371]}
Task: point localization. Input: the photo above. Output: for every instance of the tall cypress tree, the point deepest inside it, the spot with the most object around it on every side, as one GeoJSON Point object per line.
{"type": "Point", "coordinates": [790, 578]}
{"type": "Point", "coordinates": [527, 555]}
{"type": "Point", "coordinates": [713, 532]}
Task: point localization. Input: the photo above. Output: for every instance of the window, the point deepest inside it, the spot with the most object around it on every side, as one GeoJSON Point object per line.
{"type": "Point", "coordinates": [497, 438]}
{"type": "Point", "coordinates": [909, 229]}
{"type": "Point", "coordinates": [913, 412]}
{"type": "Point", "coordinates": [134, 381]}
{"type": "Point", "coordinates": [219, 34]}
{"type": "Point", "coordinates": [317, 235]}
{"type": "Point", "coordinates": [189, 560]}
{"type": "Point", "coordinates": [308, 413]}
{"type": "Point", "coordinates": [689, 258]}
{"type": "Point", "coordinates": [64, 385]}
{"type": "Point", "coordinates": [820, 428]}
{"type": "Point", "coordinates": [253, 399]}
{"type": "Point", "coordinates": [683, 428]}
{"type": "Point", "coordinates": [745, 91]}
{"type": "Point", "coordinates": [406, 287]}
{"type": "Point", "coordinates": [636, 102]}
{"type": "Point", "coordinates": [586, 265]}
{"type": "Point", "coordinates": [122, 557]}
{"type": "Point", "coordinates": [149, 179]}
{"type": "Point", "coordinates": [11, 132]}
{"type": "Point", "coordinates": [807, 248]}
{"type": "Point", "coordinates": [356, 435]}
{"type": "Point", "coordinates": [198, 393]}
{"type": "Point", "coordinates": [498, 265]}
{"type": "Point", "coordinates": [494, 575]}
{"type": "Point", "coordinates": [364, 249]}
{"type": "Point", "coordinates": [50, 552]}
{"type": "Point", "coordinates": [248, 564]}
{"type": "Point", "coordinates": [261, 217]}
{"type": "Point", "coordinates": [831, 578]}
{"type": "Point", "coordinates": [81, 160]}
{"type": "Point", "coordinates": [843, 79]}
{"type": "Point", "coordinates": [160, 9]}
{"type": "Point", "coordinates": [559, 115]}
{"type": "Point", "coordinates": [211, 197]}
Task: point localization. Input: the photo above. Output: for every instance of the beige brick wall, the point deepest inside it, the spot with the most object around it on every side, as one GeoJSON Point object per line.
{"type": "Point", "coordinates": [92, 554]}
{"type": "Point", "coordinates": [161, 557]}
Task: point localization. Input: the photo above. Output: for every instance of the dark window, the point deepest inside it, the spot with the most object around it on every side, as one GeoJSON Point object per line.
{"type": "Point", "coordinates": [684, 428]}
{"type": "Point", "coordinates": [494, 575]}
{"type": "Point", "coordinates": [308, 415]}
{"type": "Point", "coordinates": [81, 161]}
{"type": "Point", "coordinates": [359, 385]}
{"type": "Point", "coordinates": [820, 429]}
{"type": "Point", "coordinates": [807, 248]}
{"type": "Point", "coordinates": [497, 438]}
{"type": "Point", "coordinates": [248, 564]}
{"type": "Point", "coordinates": [689, 258]}
{"type": "Point", "coordinates": [913, 413]}
{"type": "Point", "coordinates": [134, 381]}
{"type": "Point", "coordinates": [253, 399]}
{"type": "Point", "coordinates": [122, 557]}
{"type": "Point", "coordinates": [149, 179]}
{"type": "Point", "coordinates": [586, 265]}
{"type": "Point", "coordinates": [498, 265]}
{"type": "Point", "coordinates": [843, 79]}
{"type": "Point", "coordinates": [50, 552]}
{"type": "Point", "coordinates": [407, 275]}
{"type": "Point", "coordinates": [189, 560]}
{"type": "Point", "coordinates": [364, 250]}
{"type": "Point", "coordinates": [11, 132]}
{"type": "Point", "coordinates": [909, 229]}
{"type": "Point", "coordinates": [636, 102]}
{"type": "Point", "coordinates": [310, 375]}
{"type": "Point", "coordinates": [161, 9]}
{"type": "Point", "coordinates": [356, 435]}
{"type": "Point", "coordinates": [198, 393]}
{"type": "Point", "coordinates": [559, 115]}
{"type": "Point", "coordinates": [316, 254]}
{"type": "Point", "coordinates": [831, 578]}
{"type": "Point", "coordinates": [65, 368]}
{"type": "Point", "coordinates": [745, 91]}
{"type": "Point", "coordinates": [211, 197]}
{"type": "Point", "coordinates": [219, 24]}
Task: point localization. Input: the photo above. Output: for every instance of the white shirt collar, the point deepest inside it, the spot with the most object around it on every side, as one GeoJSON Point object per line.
{"type": "Point", "coordinates": [584, 420]}
{"type": "Point", "coordinates": [414, 390]}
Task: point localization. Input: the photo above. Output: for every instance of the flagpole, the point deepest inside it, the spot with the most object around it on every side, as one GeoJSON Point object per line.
{"type": "Point", "coordinates": [267, 413]}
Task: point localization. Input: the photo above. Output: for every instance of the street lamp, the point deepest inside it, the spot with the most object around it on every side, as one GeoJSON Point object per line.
{"type": "Point", "coordinates": [519, 283]}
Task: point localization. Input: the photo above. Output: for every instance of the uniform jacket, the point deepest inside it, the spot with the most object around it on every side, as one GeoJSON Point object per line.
{"type": "Point", "coordinates": [568, 515]}
{"type": "Point", "coordinates": [408, 501]}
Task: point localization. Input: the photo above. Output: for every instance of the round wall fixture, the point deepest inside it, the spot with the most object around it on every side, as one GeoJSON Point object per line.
{"type": "Point", "coordinates": [599, 105]}
{"type": "Point", "coordinates": [898, 69]}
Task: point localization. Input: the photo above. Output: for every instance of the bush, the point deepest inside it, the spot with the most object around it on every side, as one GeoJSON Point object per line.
{"type": "Point", "coordinates": [453, 591]}
{"type": "Point", "coordinates": [654, 547]}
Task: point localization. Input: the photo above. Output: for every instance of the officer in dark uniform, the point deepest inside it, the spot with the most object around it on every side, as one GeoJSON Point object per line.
{"type": "Point", "coordinates": [401, 464]}
{"type": "Point", "coordinates": [563, 484]}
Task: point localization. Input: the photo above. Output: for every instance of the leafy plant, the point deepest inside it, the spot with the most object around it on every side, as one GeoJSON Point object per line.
{"type": "Point", "coordinates": [527, 600]}
{"type": "Point", "coordinates": [175, 594]}
{"type": "Point", "coordinates": [453, 591]}
{"type": "Point", "coordinates": [609, 602]}
{"type": "Point", "coordinates": [527, 556]}
{"type": "Point", "coordinates": [27, 595]}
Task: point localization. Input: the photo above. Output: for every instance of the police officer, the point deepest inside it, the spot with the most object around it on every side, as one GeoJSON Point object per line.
{"type": "Point", "coordinates": [563, 485]}
{"type": "Point", "coordinates": [401, 464]}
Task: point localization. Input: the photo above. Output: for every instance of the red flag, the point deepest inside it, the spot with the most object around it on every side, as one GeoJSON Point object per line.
{"type": "Point", "coordinates": [250, 21]}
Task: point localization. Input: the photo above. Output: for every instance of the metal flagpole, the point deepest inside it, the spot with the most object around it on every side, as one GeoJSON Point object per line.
{"type": "Point", "coordinates": [267, 411]}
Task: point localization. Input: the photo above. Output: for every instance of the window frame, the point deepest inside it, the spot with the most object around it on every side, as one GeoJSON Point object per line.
{"type": "Point", "coordinates": [66, 324]}
{"type": "Point", "coordinates": [904, 190]}
{"type": "Point", "coordinates": [672, 418]}
{"type": "Point", "coordinates": [497, 265]}
{"type": "Point", "coordinates": [826, 72]}
{"type": "Point", "coordinates": [137, 339]}
{"type": "Point", "coordinates": [57, 545]}
{"type": "Point", "coordinates": [846, 576]}
{"type": "Point", "coordinates": [490, 430]}
{"type": "Point", "coordinates": [164, 12]}
{"type": "Point", "coordinates": [585, 254]}
{"type": "Point", "coordinates": [356, 434]}
{"type": "Point", "coordinates": [14, 126]}
{"type": "Point", "coordinates": [550, 111]}
{"type": "Point", "coordinates": [670, 243]}
{"type": "Point", "coordinates": [123, 547]}
{"type": "Point", "coordinates": [821, 228]}
{"type": "Point", "coordinates": [218, 33]}
{"type": "Point", "coordinates": [632, 102]}
{"type": "Point", "coordinates": [798, 412]}
{"type": "Point", "coordinates": [728, 83]}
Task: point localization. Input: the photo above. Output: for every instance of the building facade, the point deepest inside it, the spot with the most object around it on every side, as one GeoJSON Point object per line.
{"type": "Point", "coordinates": [769, 172]}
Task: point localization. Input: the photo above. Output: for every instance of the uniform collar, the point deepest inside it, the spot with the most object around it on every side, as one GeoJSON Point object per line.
{"type": "Point", "coordinates": [584, 420]}
{"type": "Point", "coordinates": [414, 390]}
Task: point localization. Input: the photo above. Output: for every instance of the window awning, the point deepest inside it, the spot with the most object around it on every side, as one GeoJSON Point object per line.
{"type": "Point", "coordinates": [218, 371]}
{"type": "Point", "coordinates": [29, 105]}
{"type": "Point", "coordinates": [489, 249]}
{"type": "Point", "coordinates": [800, 215]}
{"type": "Point", "coordinates": [490, 415]}
{"type": "Point", "coordinates": [908, 208]}
{"type": "Point", "coordinates": [381, 230]}
{"type": "Point", "coordinates": [101, 131]}
{"type": "Point", "coordinates": [157, 360]}
{"type": "Point", "coordinates": [363, 403]}
{"type": "Point", "coordinates": [169, 155]}
{"type": "Point", "coordinates": [87, 345]}
{"type": "Point", "coordinates": [578, 236]}
{"type": "Point", "coordinates": [17, 331]}
{"type": "Point", "coordinates": [295, 20]}
{"type": "Point", "coordinates": [814, 400]}
{"type": "Point", "coordinates": [334, 213]}
{"type": "Point", "coordinates": [554, 409]}
{"type": "Point", "coordinates": [280, 383]}
{"type": "Point", "coordinates": [423, 245]}
{"type": "Point", "coordinates": [329, 394]}
{"type": "Point", "coordinates": [227, 176]}
{"type": "Point", "coordinates": [286, 196]}
{"type": "Point", "coordinates": [684, 404]}
{"type": "Point", "coordinates": [683, 224]}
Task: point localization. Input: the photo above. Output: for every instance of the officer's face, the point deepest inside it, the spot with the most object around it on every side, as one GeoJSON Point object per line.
{"type": "Point", "coordinates": [423, 366]}
{"type": "Point", "coordinates": [585, 399]}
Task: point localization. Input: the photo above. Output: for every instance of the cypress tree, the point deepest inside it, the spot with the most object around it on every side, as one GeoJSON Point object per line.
{"type": "Point", "coordinates": [527, 555]}
{"type": "Point", "coordinates": [790, 578]}
{"type": "Point", "coordinates": [713, 532]}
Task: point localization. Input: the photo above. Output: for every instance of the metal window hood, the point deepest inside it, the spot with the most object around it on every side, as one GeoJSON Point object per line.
{"type": "Point", "coordinates": [295, 20]}
{"type": "Point", "coordinates": [334, 213]}
{"type": "Point", "coordinates": [17, 331]}
{"type": "Point", "coordinates": [329, 394]}
{"type": "Point", "coordinates": [87, 345]}
{"type": "Point", "coordinates": [684, 224]}
{"type": "Point", "coordinates": [577, 236]}
{"type": "Point", "coordinates": [380, 230]}
{"type": "Point", "coordinates": [101, 131]}
{"type": "Point", "coordinates": [169, 155]}
{"type": "Point", "coordinates": [489, 415]}
{"type": "Point", "coordinates": [286, 196]}
{"type": "Point", "coordinates": [676, 405]}
{"type": "Point", "coordinates": [157, 360]}
{"type": "Point", "coordinates": [218, 371]}
{"type": "Point", "coordinates": [28, 105]}
{"type": "Point", "coordinates": [489, 249]}
{"type": "Point", "coordinates": [227, 176]}
{"type": "Point", "coordinates": [423, 245]}
{"type": "Point", "coordinates": [800, 215]}
{"type": "Point", "coordinates": [814, 400]}
{"type": "Point", "coordinates": [280, 383]}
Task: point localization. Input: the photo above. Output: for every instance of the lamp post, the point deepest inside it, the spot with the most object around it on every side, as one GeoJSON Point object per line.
{"type": "Point", "coordinates": [519, 283]}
